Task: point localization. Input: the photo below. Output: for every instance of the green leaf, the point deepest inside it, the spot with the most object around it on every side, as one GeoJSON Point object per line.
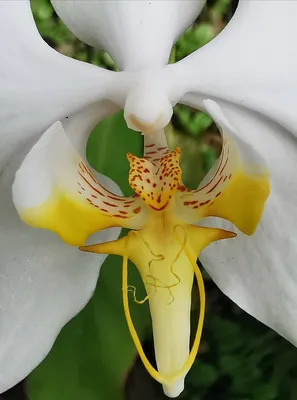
{"type": "Point", "coordinates": [94, 351]}
{"type": "Point", "coordinates": [108, 145]}
{"type": "Point", "coordinates": [42, 9]}
{"type": "Point", "coordinates": [202, 374]}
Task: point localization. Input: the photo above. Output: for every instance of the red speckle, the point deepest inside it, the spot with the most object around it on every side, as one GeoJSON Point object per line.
{"type": "Point", "coordinates": [148, 181]}
{"type": "Point", "coordinates": [137, 210]}
{"type": "Point", "coordinates": [91, 186]}
{"type": "Point", "coordinates": [182, 188]}
{"type": "Point", "coordinates": [154, 185]}
{"type": "Point", "coordinates": [187, 203]}
{"type": "Point", "coordinates": [116, 198]}
{"type": "Point", "coordinates": [94, 196]}
{"type": "Point", "coordinates": [159, 199]}
{"type": "Point", "coordinates": [159, 209]}
{"type": "Point", "coordinates": [217, 195]}
{"type": "Point", "coordinates": [109, 204]}
{"type": "Point", "coordinates": [204, 202]}
{"type": "Point", "coordinates": [221, 171]}
{"type": "Point", "coordinates": [218, 182]}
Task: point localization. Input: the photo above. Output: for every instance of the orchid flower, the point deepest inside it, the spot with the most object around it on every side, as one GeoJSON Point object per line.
{"type": "Point", "coordinates": [245, 79]}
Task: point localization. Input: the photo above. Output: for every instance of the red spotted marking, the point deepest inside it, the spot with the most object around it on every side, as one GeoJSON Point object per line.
{"type": "Point", "coordinates": [188, 203]}
{"type": "Point", "coordinates": [204, 202]}
{"type": "Point", "coordinates": [162, 148]}
{"type": "Point", "coordinates": [109, 204]}
{"type": "Point", "coordinates": [217, 171]}
{"type": "Point", "coordinates": [213, 188]}
{"type": "Point", "coordinates": [181, 188]}
{"type": "Point", "coordinates": [91, 186]}
{"type": "Point", "coordinates": [116, 198]}
{"type": "Point", "coordinates": [161, 208]}
{"type": "Point", "coordinates": [221, 172]}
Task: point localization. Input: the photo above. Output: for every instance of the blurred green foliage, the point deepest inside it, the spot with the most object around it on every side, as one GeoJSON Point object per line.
{"type": "Point", "coordinates": [239, 358]}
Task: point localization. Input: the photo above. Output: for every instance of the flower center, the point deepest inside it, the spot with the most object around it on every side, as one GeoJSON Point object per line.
{"type": "Point", "coordinates": [155, 183]}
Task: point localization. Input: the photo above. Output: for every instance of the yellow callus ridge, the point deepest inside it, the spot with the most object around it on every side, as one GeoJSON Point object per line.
{"type": "Point", "coordinates": [165, 253]}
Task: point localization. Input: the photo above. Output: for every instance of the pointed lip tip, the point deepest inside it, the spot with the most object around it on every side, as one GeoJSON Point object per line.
{"type": "Point", "coordinates": [231, 234]}
{"type": "Point", "coordinates": [86, 248]}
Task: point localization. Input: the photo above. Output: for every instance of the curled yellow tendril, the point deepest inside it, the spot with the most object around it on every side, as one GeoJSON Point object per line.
{"type": "Point", "coordinates": [161, 257]}
{"type": "Point", "coordinates": [132, 289]}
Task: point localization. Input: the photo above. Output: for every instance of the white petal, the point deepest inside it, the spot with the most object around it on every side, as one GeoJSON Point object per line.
{"type": "Point", "coordinates": [135, 33]}
{"type": "Point", "coordinates": [251, 63]}
{"type": "Point", "coordinates": [258, 272]}
{"type": "Point", "coordinates": [44, 283]}
{"type": "Point", "coordinates": [54, 189]}
{"type": "Point", "coordinates": [39, 85]}
{"type": "Point", "coordinates": [79, 125]}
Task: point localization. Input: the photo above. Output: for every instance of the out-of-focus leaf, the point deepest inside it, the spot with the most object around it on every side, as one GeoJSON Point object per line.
{"type": "Point", "coordinates": [191, 161]}
{"type": "Point", "coordinates": [202, 374]}
{"type": "Point", "coordinates": [108, 145]}
{"type": "Point", "coordinates": [94, 352]}
{"type": "Point", "coordinates": [42, 9]}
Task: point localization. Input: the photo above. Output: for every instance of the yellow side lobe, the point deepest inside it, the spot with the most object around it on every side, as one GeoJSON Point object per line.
{"type": "Point", "coordinates": [72, 218]}
{"type": "Point", "coordinates": [242, 201]}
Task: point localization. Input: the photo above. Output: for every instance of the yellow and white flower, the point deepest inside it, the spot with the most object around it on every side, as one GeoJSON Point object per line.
{"type": "Point", "coordinates": [245, 79]}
